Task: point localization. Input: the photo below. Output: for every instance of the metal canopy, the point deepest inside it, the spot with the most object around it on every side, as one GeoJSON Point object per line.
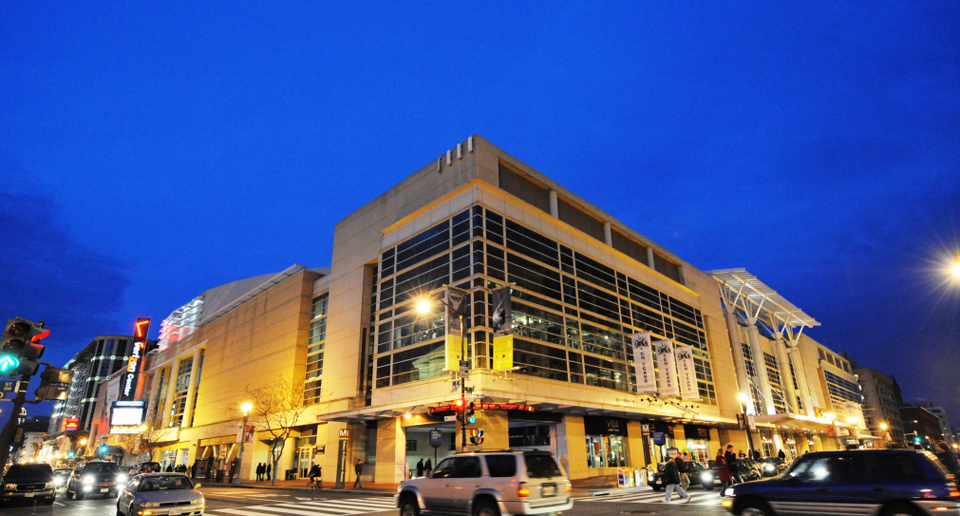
{"type": "Point", "coordinates": [746, 285]}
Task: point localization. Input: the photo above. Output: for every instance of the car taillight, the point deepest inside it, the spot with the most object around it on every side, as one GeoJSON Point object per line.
{"type": "Point", "coordinates": [522, 491]}
{"type": "Point", "coordinates": [954, 494]}
{"type": "Point", "coordinates": [569, 488]}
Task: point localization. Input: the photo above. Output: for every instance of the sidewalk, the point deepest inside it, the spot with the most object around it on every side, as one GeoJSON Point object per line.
{"type": "Point", "coordinates": [593, 486]}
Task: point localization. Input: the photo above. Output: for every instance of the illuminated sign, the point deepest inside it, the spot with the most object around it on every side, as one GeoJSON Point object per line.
{"type": "Point", "coordinates": [126, 417]}
{"type": "Point", "coordinates": [71, 423]}
{"type": "Point", "coordinates": [482, 406]}
{"type": "Point", "coordinates": [129, 386]}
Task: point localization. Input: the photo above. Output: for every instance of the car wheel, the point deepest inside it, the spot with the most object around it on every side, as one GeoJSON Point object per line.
{"type": "Point", "coordinates": [485, 508]}
{"type": "Point", "coordinates": [49, 501]}
{"type": "Point", "coordinates": [902, 510]}
{"type": "Point", "coordinates": [657, 488]}
{"type": "Point", "coordinates": [708, 486]}
{"type": "Point", "coordinates": [409, 507]}
{"type": "Point", "coordinates": [77, 495]}
{"type": "Point", "coordinates": [69, 494]}
{"type": "Point", "coordinates": [755, 508]}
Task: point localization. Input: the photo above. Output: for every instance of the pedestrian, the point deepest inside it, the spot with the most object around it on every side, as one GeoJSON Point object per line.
{"type": "Point", "coordinates": [358, 469]}
{"type": "Point", "coordinates": [756, 454]}
{"type": "Point", "coordinates": [428, 467]}
{"type": "Point", "coordinates": [783, 456]}
{"type": "Point", "coordinates": [731, 460]}
{"type": "Point", "coordinates": [259, 471]}
{"type": "Point", "coordinates": [682, 469]}
{"type": "Point", "coordinates": [671, 477]}
{"type": "Point", "coordinates": [948, 458]}
{"type": "Point", "coordinates": [268, 471]}
{"type": "Point", "coordinates": [723, 471]}
{"type": "Point", "coordinates": [420, 469]}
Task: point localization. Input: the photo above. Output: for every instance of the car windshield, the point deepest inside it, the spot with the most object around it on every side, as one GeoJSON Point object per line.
{"type": "Point", "coordinates": [541, 466]}
{"type": "Point", "coordinates": [101, 467]}
{"type": "Point", "coordinates": [165, 483]}
{"type": "Point", "coordinates": [25, 470]}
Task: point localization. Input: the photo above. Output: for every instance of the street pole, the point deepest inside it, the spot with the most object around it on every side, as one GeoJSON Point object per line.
{"type": "Point", "coordinates": [746, 423]}
{"type": "Point", "coordinates": [463, 382]}
{"type": "Point", "coordinates": [243, 438]}
{"type": "Point", "coordinates": [6, 437]}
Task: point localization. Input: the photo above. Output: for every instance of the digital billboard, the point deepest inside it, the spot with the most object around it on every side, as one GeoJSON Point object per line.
{"type": "Point", "coordinates": [126, 417]}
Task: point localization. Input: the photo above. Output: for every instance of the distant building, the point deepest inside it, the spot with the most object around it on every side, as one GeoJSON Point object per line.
{"type": "Point", "coordinates": [881, 405]}
{"type": "Point", "coordinates": [945, 429]}
{"type": "Point", "coordinates": [920, 426]}
{"type": "Point", "coordinates": [32, 433]}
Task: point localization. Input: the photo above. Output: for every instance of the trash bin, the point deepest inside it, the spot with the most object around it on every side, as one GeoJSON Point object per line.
{"type": "Point", "coordinates": [291, 474]}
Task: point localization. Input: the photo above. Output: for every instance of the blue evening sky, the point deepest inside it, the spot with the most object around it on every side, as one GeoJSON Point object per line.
{"type": "Point", "coordinates": [150, 151]}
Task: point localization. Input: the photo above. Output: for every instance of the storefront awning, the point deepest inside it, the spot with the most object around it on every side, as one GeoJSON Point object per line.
{"type": "Point", "coordinates": [797, 422]}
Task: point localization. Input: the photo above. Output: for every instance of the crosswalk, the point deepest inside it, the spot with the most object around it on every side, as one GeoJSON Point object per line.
{"type": "Point", "coordinates": [696, 498]}
{"type": "Point", "coordinates": [319, 507]}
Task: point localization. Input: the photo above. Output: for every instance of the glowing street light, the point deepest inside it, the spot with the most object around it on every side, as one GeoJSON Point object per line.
{"type": "Point", "coordinates": [955, 266]}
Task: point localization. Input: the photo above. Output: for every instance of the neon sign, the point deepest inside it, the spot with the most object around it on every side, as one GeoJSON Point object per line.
{"type": "Point", "coordinates": [134, 362]}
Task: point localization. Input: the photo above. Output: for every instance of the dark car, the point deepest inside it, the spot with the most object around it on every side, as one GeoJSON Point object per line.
{"type": "Point", "coordinates": [61, 476]}
{"type": "Point", "coordinates": [869, 482]}
{"type": "Point", "coordinates": [27, 482]}
{"type": "Point", "coordinates": [100, 477]}
{"type": "Point", "coordinates": [148, 467]}
{"type": "Point", "coordinates": [700, 476]}
{"type": "Point", "coordinates": [772, 466]}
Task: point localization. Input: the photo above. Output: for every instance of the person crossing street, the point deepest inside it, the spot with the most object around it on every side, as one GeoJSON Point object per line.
{"type": "Point", "coordinates": [671, 476]}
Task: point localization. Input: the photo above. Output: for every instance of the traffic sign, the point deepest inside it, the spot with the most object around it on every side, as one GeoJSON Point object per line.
{"type": "Point", "coordinates": [9, 387]}
{"type": "Point", "coordinates": [450, 418]}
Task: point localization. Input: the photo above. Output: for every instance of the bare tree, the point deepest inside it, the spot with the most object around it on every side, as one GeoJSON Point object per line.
{"type": "Point", "coordinates": [276, 409]}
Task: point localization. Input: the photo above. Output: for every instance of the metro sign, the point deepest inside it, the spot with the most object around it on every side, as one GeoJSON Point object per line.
{"type": "Point", "coordinates": [71, 423]}
{"type": "Point", "coordinates": [135, 361]}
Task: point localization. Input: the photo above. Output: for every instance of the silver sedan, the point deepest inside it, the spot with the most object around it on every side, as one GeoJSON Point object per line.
{"type": "Point", "coordinates": [160, 494]}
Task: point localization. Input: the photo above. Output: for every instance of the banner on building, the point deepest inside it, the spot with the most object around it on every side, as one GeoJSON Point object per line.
{"type": "Point", "coordinates": [643, 363]}
{"type": "Point", "coordinates": [667, 364]}
{"type": "Point", "coordinates": [245, 433]}
{"type": "Point", "coordinates": [502, 324]}
{"type": "Point", "coordinates": [687, 373]}
{"type": "Point", "coordinates": [453, 309]}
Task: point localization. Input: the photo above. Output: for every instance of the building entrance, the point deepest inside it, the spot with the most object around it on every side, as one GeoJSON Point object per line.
{"type": "Point", "coordinates": [419, 446]}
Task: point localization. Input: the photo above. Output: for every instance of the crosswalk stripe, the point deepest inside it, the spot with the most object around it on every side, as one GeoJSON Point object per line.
{"type": "Point", "coordinates": [239, 512]}
{"type": "Point", "coordinates": [288, 508]}
{"type": "Point", "coordinates": [313, 508]}
{"type": "Point", "coordinates": [707, 498]}
{"type": "Point", "coordinates": [346, 506]}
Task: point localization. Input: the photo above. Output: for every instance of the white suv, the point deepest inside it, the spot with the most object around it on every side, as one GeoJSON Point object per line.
{"type": "Point", "coordinates": [500, 483]}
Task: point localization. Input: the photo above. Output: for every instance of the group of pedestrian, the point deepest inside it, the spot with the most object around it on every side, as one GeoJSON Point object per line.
{"type": "Point", "coordinates": [424, 469]}
{"type": "Point", "coordinates": [263, 471]}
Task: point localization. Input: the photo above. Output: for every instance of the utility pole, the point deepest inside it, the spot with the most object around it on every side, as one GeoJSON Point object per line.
{"type": "Point", "coordinates": [6, 437]}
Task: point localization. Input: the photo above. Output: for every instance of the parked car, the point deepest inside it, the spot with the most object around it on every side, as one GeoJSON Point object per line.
{"type": "Point", "coordinates": [95, 477]}
{"type": "Point", "coordinates": [700, 476]}
{"type": "Point", "coordinates": [772, 466]}
{"type": "Point", "coordinates": [61, 476]}
{"type": "Point", "coordinates": [746, 470]}
{"type": "Point", "coordinates": [28, 482]}
{"type": "Point", "coordinates": [148, 467]}
{"type": "Point", "coordinates": [869, 482]}
{"type": "Point", "coordinates": [489, 484]}
{"type": "Point", "coordinates": [162, 493]}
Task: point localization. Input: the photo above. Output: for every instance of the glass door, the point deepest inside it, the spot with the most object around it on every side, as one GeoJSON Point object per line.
{"type": "Point", "coordinates": [303, 460]}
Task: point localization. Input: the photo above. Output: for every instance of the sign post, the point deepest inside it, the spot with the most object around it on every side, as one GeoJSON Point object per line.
{"type": "Point", "coordinates": [342, 458]}
{"type": "Point", "coordinates": [436, 440]}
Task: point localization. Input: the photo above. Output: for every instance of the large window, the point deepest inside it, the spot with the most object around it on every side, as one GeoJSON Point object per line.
{"type": "Point", "coordinates": [180, 392]}
{"type": "Point", "coordinates": [573, 314]}
{"type": "Point", "coordinates": [317, 340]}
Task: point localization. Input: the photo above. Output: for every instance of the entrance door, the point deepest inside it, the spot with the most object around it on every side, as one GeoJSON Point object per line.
{"type": "Point", "coordinates": [303, 460]}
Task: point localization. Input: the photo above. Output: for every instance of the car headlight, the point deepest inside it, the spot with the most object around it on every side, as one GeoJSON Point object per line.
{"type": "Point", "coordinates": [197, 501]}
{"type": "Point", "coordinates": [122, 477]}
{"type": "Point", "coordinates": [88, 479]}
{"type": "Point", "coordinates": [769, 467]}
{"type": "Point", "coordinates": [50, 485]}
{"type": "Point", "coordinates": [58, 480]}
{"type": "Point", "coordinates": [150, 504]}
{"type": "Point", "coordinates": [10, 487]}
{"type": "Point", "coordinates": [707, 476]}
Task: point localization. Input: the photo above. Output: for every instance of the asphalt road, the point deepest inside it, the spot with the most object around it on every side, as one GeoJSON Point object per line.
{"type": "Point", "coordinates": [227, 501]}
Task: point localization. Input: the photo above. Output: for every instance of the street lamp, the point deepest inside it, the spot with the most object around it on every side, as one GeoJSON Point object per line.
{"type": "Point", "coordinates": [744, 399]}
{"type": "Point", "coordinates": [955, 266]}
{"type": "Point", "coordinates": [246, 408]}
{"type": "Point", "coordinates": [423, 307]}
{"type": "Point", "coordinates": [883, 433]}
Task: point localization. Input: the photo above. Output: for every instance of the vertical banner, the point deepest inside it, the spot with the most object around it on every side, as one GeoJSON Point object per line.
{"type": "Point", "coordinates": [688, 373]}
{"type": "Point", "coordinates": [666, 362]}
{"type": "Point", "coordinates": [344, 439]}
{"type": "Point", "coordinates": [502, 323]}
{"type": "Point", "coordinates": [643, 363]}
{"type": "Point", "coordinates": [453, 345]}
{"type": "Point", "coordinates": [128, 386]}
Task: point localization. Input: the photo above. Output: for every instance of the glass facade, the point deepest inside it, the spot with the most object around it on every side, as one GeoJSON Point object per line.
{"type": "Point", "coordinates": [317, 339]}
{"type": "Point", "coordinates": [573, 315]}
{"type": "Point", "coordinates": [180, 393]}
{"type": "Point", "coordinates": [842, 390]}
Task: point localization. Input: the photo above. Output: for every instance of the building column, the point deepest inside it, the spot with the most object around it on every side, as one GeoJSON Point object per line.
{"type": "Point", "coordinates": [191, 389]}
{"type": "Point", "coordinates": [786, 379]}
{"type": "Point", "coordinates": [753, 338]}
{"type": "Point", "coordinates": [607, 234]}
{"type": "Point", "coordinates": [391, 466]}
{"type": "Point", "coordinates": [154, 385]}
{"type": "Point", "coordinates": [171, 387]}
{"type": "Point", "coordinates": [739, 362]}
{"type": "Point", "coordinates": [554, 208]}
{"type": "Point", "coordinates": [802, 379]}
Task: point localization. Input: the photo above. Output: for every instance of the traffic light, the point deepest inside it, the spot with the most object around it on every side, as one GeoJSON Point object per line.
{"type": "Point", "coordinates": [470, 417]}
{"type": "Point", "coordinates": [54, 384]}
{"type": "Point", "coordinates": [20, 347]}
{"type": "Point", "coordinates": [103, 449]}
